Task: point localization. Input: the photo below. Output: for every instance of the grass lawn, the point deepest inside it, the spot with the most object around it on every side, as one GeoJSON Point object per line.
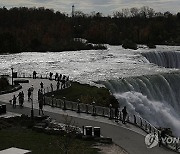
{"type": "Point", "coordinates": [19, 136]}
{"type": "Point", "coordinates": [87, 94]}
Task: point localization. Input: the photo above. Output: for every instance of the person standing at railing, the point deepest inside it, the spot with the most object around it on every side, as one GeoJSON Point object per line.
{"type": "Point", "coordinates": [51, 85]}
{"type": "Point", "coordinates": [29, 94]}
{"type": "Point", "coordinates": [124, 112]}
{"type": "Point", "coordinates": [56, 76]}
{"type": "Point", "coordinates": [40, 101]}
{"type": "Point", "coordinates": [58, 85]}
{"type": "Point", "coordinates": [42, 85]}
{"type": "Point", "coordinates": [34, 74]}
{"type": "Point", "coordinates": [50, 75]}
{"type": "Point", "coordinates": [14, 101]}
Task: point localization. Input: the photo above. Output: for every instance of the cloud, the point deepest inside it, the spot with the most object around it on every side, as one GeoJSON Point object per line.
{"type": "Point", "coordinates": [87, 6]}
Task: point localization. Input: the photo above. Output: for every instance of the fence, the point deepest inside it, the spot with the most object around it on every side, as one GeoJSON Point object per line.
{"type": "Point", "coordinates": [98, 111]}
{"type": "Point", "coordinates": [108, 112]}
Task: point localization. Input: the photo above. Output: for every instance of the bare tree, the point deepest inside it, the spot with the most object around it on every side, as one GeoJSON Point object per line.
{"type": "Point", "coordinates": [70, 131]}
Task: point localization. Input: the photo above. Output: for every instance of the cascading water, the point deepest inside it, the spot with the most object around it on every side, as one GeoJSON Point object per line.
{"type": "Point", "coordinates": [168, 59]}
{"type": "Point", "coordinates": [156, 98]}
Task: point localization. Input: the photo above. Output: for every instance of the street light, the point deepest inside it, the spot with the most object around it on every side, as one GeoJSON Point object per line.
{"type": "Point", "coordinates": [64, 101]}
{"type": "Point", "coordinates": [110, 109]}
{"type": "Point", "coordinates": [32, 110]}
{"type": "Point", "coordinates": [94, 109]}
{"type": "Point", "coordinates": [12, 75]}
{"type": "Point", "coordinates": [78, 106]}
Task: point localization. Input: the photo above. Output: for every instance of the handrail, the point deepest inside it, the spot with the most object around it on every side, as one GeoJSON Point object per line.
{"type": "Point", "coordinates": [98, 111]}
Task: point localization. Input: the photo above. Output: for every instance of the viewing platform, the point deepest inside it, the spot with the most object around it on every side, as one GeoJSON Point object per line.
{"type": "Point", "coordinates": [129, 136]}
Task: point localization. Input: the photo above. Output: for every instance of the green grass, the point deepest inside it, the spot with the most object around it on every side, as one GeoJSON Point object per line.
{"type": "Point", "coordinates": [87, 94]}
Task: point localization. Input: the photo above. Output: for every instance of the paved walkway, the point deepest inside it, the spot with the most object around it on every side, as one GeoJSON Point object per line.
{"type": "Point", "coordinates": [127, 136]}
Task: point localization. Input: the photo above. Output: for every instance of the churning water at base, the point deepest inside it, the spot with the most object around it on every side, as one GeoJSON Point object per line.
{"type": "Point", "coordinates": [146, 89]}
{"type": "Point", "coordinates": [153, 97]}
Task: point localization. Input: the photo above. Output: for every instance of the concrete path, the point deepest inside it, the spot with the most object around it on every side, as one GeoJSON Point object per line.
{"type": "Point", "coordinates": [127, 136]}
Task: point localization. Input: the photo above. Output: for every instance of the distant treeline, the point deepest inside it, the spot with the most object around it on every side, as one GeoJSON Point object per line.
{"type": "Point", "coordinates": [40, 29]}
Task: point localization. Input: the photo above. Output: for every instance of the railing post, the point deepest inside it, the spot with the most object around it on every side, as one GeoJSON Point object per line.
{"type": "Point", "coordinates": [110, 111]}
{"type": "Point", "coordinates": [56, 102]}
{"type": "Point", "coordinates": [149, 128]}
{"type": "Point", "coordinates": [64, 107]}
{"type": "Point", "coordinates": [145, 125]}
{"type": "Point", "coordinates": [72, 106]}
{"type": "Point", "coordinates": [52, 101]}
{"type": "Point", "coordinates": [135, 120]}
{"type": "Point", "coordinates": [103, 112]}
{"type": "Point", "coordinates": [78, 106]}
{"type": "Point", "coordinates": [87, 109]}
{"type": "Point", "coordinates": [94, 109]}
{"type": "Point", "coordinates": [140, 122]}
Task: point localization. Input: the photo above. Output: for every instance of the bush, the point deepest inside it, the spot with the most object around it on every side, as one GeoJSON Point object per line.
{"type": "Point", "coordinates": [151, 45]}
{"type": "Point", "coordinates": [128, 44]}
{"type": "Point", "coordinates": [4, 83]}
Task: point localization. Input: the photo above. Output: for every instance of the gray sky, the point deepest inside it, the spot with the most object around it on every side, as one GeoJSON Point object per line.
{"type": "Point", "coordinates": [107, 7]}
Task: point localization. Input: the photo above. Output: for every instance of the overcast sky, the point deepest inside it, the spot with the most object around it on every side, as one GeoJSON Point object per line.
{"type": "Point", "coordinates": [107, 7]}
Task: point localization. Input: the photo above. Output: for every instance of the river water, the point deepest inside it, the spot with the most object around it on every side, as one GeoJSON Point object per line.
{"type": "Point", "coordinates": [149, 90]}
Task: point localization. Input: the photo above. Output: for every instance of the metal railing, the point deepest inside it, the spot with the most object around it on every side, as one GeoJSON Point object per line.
{"type": "Point", "coordinates": [98, 111]}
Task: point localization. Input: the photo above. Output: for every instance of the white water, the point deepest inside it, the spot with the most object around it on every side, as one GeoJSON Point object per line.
{"type": "Point", "coordinates": [111, 64]}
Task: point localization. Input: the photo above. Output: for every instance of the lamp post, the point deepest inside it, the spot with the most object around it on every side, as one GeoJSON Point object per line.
{"type": "Point", "coordinates": [94, 109]}
{"type": "Point", "coordinates": [52, 100]}
{"type": "Point", "coordinates": [32, 110]}
{"type": "Point", "coordinates": [110, 111]}
{"type": "Point", "coordinates": [64, 101]}
{"type": "Point", "coordinates": [78, 106]}
{"type": "Point", "coordinates": [12, 74]}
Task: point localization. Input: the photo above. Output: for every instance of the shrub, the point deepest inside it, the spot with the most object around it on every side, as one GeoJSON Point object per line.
{"type": "Point", "coordinates": [4, 83]}
{"type": "Point", "coordinates": [151, 45]}
{"type": "Point", "coordinates": [128, 44]}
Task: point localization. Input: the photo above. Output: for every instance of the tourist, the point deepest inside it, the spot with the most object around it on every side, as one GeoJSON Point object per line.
{"type": "Point", "coordinates": [50, 75]}
{"type": "Point", "coordinates": [20, 99]}
{"type": "Point", "coordinates": [124, 112]}
{"type": "Point", "coordinates": [40, 100]}
{"type": "Point", "coordinates": [56, 76]}
{"type": "Point", "coordinates": [42, 85]}
{"type": "Point", "coordinates": [58, 84]}
{"type": "Point", "coordinates": [34, 74]}
{"type": "Point", "coordinates": [51, 85]}
{"type": "Point", "coordinates": [14, 101]}
{"type": "Point", "coordinates": [60, 76]}
{"type": "Point", "coordinates": [62, 84]}
{"type": "Point", "coordinates": [29, 94]}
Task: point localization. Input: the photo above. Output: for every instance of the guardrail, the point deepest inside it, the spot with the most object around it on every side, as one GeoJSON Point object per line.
{"type": "Point", "coordinates": [98, 111]}
{"type": "Point", "coordinates": [109, 113]}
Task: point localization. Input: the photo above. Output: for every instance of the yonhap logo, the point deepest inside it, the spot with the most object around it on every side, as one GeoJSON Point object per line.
{"type": "Point", "coordinates": [151, 140]}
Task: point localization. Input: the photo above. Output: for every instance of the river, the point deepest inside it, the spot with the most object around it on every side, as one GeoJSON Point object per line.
{"type": "Point", "coordinates": [151, 90]}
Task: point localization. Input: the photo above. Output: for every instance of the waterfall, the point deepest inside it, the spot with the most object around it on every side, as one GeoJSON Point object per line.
{"type": "Point", "coordinates": [168, 59]}
{"type": "Point", "coordinates": [156, 98]}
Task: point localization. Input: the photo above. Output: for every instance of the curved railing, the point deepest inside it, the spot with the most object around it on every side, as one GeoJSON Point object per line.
{"type": "Point", "coordinates": [98, 111]}
{"type": "Point", "coordinates": [108, 113]}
